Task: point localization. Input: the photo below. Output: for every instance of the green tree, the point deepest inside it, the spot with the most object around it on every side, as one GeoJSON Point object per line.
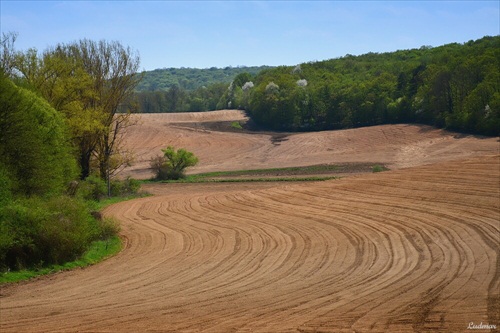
{"type": "Point", "coordinates": [61, 79]}
{"type": "Point", "coordinates": [453, 86]}
{"type": "Point", "coordinates": [173, 163]}
{"type": "Point", "coordinates": [7, 53]}
{"type": "Point", "coordinates": [34, 144]}
{"type": "Point", "coordinates": [89, 82]}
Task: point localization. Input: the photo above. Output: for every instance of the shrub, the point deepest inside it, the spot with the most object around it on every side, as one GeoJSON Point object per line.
{"type": "Point", "coordinates": [108, 228]}
{"type": "Point", "coordinates": [167, 173]}
{"type": "Point", "coordinates": [33, 143]}
{"type": "Point", "coordinates": [236, 125]}
{"type": "Point", "coordinates": [173, 163]}
{"type": "Point", "coordinates": [156, 164]}
{"type": "Point", "coordinates": [124, 187]}
{"type": "Point", "coordinates": [5, 185]}
{"type": "Point", "coordinates": [378, 168]}
{"type": "Point", "coordinates": [92, 188]}
{"type": "Point", "coordinates": [44, 231]}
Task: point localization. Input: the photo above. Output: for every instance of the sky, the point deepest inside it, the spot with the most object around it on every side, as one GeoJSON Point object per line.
{"type": "Point", "coordinates": [204, 34]}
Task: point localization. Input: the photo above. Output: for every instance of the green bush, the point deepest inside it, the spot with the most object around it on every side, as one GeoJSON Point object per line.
{"type": "Point", "coordinates": [378, 168]}
{"type": "Point", "coordinates": [92, 188]}
{"type": "Point", "coordinates": [45, 231]}
{"type": "Point", "coordinates": [5, 185]}
{"type": "Point", "coordinates": [236, 125]}
{"type": "Point", "coordinates": [166, 172]}
{"type": "Point", "coordinates": [124, 187]}
{"type": "Point", "coordinates": [108, 228]}
{"type": "Point", "coordinates": [33, 143]}
{"type": "Point", "coordinates": [172, 164]}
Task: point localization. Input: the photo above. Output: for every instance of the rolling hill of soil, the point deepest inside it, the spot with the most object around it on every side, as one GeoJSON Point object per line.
{"type": "Point", "coordinates": [223, 148]}
{"type": "Point", "coordinates": [414, 249]}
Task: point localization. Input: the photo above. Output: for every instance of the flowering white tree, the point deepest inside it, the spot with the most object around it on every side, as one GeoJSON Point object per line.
{"type": "Point", "coordinates": [302, 83]}
{"type": "Point", "coordinates": [272, 87]}
{"type": "Point", "coordinates": [297, 69]}
{"type": "Point", "coordinates": [247, 86]}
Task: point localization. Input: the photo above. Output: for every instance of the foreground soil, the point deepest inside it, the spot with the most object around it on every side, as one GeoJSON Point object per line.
{"type": "Point", "coordinates": [409, 250]}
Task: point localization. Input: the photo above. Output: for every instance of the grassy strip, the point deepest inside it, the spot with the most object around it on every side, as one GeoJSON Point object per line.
{"type": "Point", "coordinates": [296, 174]}
{"type": "Point", "coordinates": [296, 170]}
{"type": "Point", "coordinates": [379, 168]}
{"type": "Point", "coordinates": [98, 251]}
{"type": "Point", "coordinates": [103, 203]}
{"type": "Point", "coordinates": [236, 125]}
{"type": "Point", "coordinates": [198, 179]}
{"type": "Point", "coordinates": [271, 179]}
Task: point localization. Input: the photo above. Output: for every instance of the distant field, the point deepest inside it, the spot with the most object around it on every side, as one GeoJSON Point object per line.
{"type": "Point", "coordinates": [413, 249]}
{"type": "Point", "coordinates": [222, 148]}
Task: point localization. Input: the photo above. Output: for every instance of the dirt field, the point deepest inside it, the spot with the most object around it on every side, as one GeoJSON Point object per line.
{"type": "Point", "coordinates": [415, 249]}
{"type": "Point", "coordinates": [397, 146]}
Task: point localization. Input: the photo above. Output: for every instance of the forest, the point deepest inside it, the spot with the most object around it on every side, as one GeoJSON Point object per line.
{"type": "Point", "coordinates": [190, 79]}
{"type": "Point", "coordinates": [60, 137]}
{"type": "Point", "coordinates": [454, 86]}
{"type": "Point", "coordinates": [186, 89]}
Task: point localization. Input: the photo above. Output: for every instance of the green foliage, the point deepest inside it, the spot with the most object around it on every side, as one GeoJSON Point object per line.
{"type": "Point", "coordinates": [98, 251]}
{"type": "Point", "coordinates": [453, 86]}
{"type": "Point", "coordinates": [44, 231]}
{"type": "Point", "coordinates": [108, 228]}
{"type": "Point", "coordinates": [34, 146]}
{"type": "Point", "coordinates": [128, 186]}
{"type": "Point", "coordinates": [189, 89]}
{"type": "Point", "coordinates": [378, 168]}
{"type": "Point", "coordinates": [92, 188]}
{"type": "Point", "coordinates": [39, 225]}
{"type": "Point", "coordinates": [236, 125]}
{"type": "Point", "coordinates": [5, 186]}
{"type": "Point", "coordinates": [173, 163]}
{"type": "Point", "coordinates": [191, 79]}
{"type": "Point", "coordinates": [89, 82]}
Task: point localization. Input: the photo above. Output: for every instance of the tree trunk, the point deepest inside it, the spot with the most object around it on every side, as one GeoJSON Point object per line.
{"type": "Point", "coordinates": [84, 162]}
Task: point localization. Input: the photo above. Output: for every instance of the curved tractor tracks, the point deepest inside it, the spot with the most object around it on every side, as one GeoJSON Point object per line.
{"type": "Point", "coordinates": [413, 250]}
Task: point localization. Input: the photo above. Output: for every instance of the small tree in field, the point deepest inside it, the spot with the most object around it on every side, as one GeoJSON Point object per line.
{"type": "Point", "coordinates": [173, 163]}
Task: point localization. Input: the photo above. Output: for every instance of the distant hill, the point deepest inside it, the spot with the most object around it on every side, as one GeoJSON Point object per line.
{"type": "Point", "coordinates": [454, 86]}
{"type": "Point", "coordinates": [192, 78]}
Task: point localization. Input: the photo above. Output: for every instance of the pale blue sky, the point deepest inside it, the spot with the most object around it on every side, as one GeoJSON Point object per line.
{"type": "Point", "coordinates": [203, 34]}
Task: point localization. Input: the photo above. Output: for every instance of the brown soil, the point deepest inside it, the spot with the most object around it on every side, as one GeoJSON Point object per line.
{"type": "Point", "coordinates": [223, 148]}
{"type": "Point", "coordinates": [409, 250]}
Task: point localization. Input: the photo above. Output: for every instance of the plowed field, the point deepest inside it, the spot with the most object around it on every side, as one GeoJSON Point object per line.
{"type": "Point", "coordinates": [396, 146]}
{"type": "Point", "coordinates": [410, 250]}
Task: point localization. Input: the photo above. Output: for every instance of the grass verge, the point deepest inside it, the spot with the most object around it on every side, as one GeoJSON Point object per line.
{"type": "Point", "coordinates": [379, 168]}
{"type": "Point", "coordinates": [291, 174]}
{"type": "Point", "coordinates": [98, 251]}
{"type": "Point", "coordinates": [198, 179]}
{"type": "Point", "coordinates": [103, 203]}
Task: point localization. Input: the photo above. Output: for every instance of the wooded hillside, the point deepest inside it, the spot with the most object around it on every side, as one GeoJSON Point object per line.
{"type": "Point", "coordinates": [454, 86]}
{"type": "Point", "coordinates": [191, 78]}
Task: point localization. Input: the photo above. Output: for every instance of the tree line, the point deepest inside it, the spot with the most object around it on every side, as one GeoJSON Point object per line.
{"type": "Point", "coordinates": [190, 79]}
{"type": "Point", "coordinates": [187, 89]}
{"type": "Point", "coordinates": [454, 86]}
{"type": "Point", "coordinates": [60, 141]}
